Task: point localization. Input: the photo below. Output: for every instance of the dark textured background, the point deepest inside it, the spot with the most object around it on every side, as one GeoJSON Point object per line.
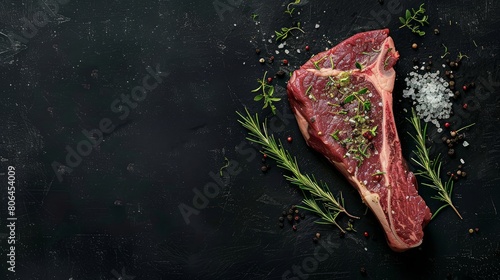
{"type": "Point", "coordinates": [117, 213]}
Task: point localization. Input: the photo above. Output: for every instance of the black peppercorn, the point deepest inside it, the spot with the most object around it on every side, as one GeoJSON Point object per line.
{"type": "Point", "coordinates": [451, 76]}
{"type": "Point", "coordinates": [257, 51]}
{"type": "Point", "coordinates": [444, 139]}
{"type": "Point", "coordinates": [280, 74]}
{"type": "Point", "coordinates": [451, 152]}
{"type": "Point", "coordinates": [415, 61]}
{"type": "Point", "coordinates": [264, 168]}
{"type": "Point", "coordinates": [281, 225]}
{"type": "Point", "coordinates": [283, 213]}
{"type": "Point", "coordinates": [289, 218]}
{"type": "Point", "coordinates": [362, 270]}
{"type": "Point", "coordinates": [281, 219]}
{"type": "Point", "coordinates": [436, 31]}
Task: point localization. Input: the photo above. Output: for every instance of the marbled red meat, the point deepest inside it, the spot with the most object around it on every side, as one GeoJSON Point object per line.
{"type": "Point", "coordinates": [358, 133]}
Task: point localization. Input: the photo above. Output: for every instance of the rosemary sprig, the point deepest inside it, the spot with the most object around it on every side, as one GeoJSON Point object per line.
{"type": "Point", "coordinates": [430, 169]}
{"type": "Point", "coordinates": [413, 19]}
{"type": "Point", "coordinates": [285, 31]}
{"type": "Point", "coordinates": [290, 11]}
{"type": "Point", "coordinates": [267, 94]}
{"type": "Point", "coordinates": [330, 207]}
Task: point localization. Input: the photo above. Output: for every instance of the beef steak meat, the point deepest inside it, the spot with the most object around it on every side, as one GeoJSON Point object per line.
{"type": "Point", "coordinates": [342, 100]}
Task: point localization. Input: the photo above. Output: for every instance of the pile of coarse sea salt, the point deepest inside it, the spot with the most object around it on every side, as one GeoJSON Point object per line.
{"type": "Point", "coordinates": [431, 95]}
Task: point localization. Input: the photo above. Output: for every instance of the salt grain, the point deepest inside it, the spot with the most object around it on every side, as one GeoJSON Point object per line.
{"type": "Point", "coordinates": [465, 143]}
{"type": "Point", "coordinates": [430, 94]}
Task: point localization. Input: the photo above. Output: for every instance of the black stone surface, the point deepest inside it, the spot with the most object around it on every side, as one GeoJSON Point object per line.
{"type": "Point", "coordinates": [116, 211]}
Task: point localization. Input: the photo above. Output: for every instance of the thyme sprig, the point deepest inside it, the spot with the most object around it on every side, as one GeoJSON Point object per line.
{"type": "Point", "coordinates": [290, 11]}
{"type": "Point", "coordinates": [430, 169]}
{"type": "Point", "coordinates": [320, 201]}
{"type": "Point", "coordinates": [414, 19]}
{"type": "Point", "coordinates": [285, 31]}
{"type": "Point", "coordinates": [267, 94]}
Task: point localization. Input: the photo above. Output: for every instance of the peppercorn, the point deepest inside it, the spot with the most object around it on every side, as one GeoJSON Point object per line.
{"type": "Point", "coordinates": [464, 87]}
{"type": "Point", "coordinates": [460, 166]}
{"type": "Point", "coordinates": [307, 48]}
{"type": "Point", "coordinates": [471, 231]}
{"type": "Point", "coordinates": [294, 227]}
{"type": "Point", "coordinates": [262, 60]}
{"type": "Point", "coordinates": [447, 124]}
{"type": "Point", "coordinates": [448, 141]}
{"type": "Point", "coordinates": [414, 46]}
{"type": "Point", "coordinates": [451, 152]}
{"type": "Point", "coordinates": [472, 84]}
{"type": "Point", "coordinates": [296, 211]}
{"type": "Point", "coordinates": [451, 76]}
{"type": "Point", "coordinates": [264, 155]}
{"type": "Point", "coordinates": [450, 145]}
{"type": "Point", "coordinates": [290, 211]}
{"type": "Point", "coordinates": [280, 225]}
{"type": "Point", "coordinates": [318, 235]}
{"type": "Point", "coordinates": [269, 80]}
{"type": "Point", "coordinates": [285, 61]}
{"type": "Point", "coordinates": [377, 177]}
{"type": "Point", "coordinates": [453, 64]}
{"type": "Point", "coordinates": [264, 168]}
{"type": "Point", "coordinates": [281, 219]}
{"type": "Point", "coordinates": [280, 74]}
{"type": "Point", "coordinates": [447, 73]}
{"type": "Point", "coordinates": [362, 270]}
{"type": "Point", "coordinates": [428, 68]}
{"type": "Point", "coordinates": [296, 218]}
{"type": "Point", "coordinates": [449, 173]}
{"type": "Point", "coordinates": [436, 31]}
{"type": "Point", "coordinates": [289, 218]}
{"type": "Point", "coordinates": [465, 106]}
{"type": "Point", "coordinates": [415, 61]}
{"type": "Point", "coordinates": [294, 207]}
{"type": "Point", "coordinates": [459, 172]}
{"type": "Point", "coordinates": [464, 174]}
{"type": "Point", "coordinates": [365, 234]}
{"type": "Point", "coordinates": [452, 83]}
{"type": "Point", "coordinates": [476, 229]}
{"type": "Point", "coordinates": [315, 240]}
{"type": "Point", "coordinates": [257, 51]}
{"type": "Point", "coordinates": [289, 139]}
{"type": "Point", "coordinates": [283, 213]}
{"type": "Point", "coordinates": [461, 136]}
{"type": "Point", "coordinates": [453, 133]}
{"type": "Point", "coordinates": [444, 139]}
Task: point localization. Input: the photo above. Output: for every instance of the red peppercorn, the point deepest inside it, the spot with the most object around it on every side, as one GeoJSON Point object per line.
{"type": "Point", "coordinates": [264, 155]}
{"type": "Point", "coordinates": [377, 177]}
{"type": "Point", "coordinates": [294, 227]}
{"type": "Point", "coordinates": [307, 48]}
{"type": "Point", "coordinates": [269, 80]}
{"type": "Point", "coordinates": [289, 139]}
{"type": "Point", "coordinates": [464, 87]}
{"type": "Point", "coordinates": [297, 217]}
{"type": "Point", "coordinates": [366, 234]}
{"type": "Point", "coordinates": [285, 61]}
{"type": "Point", "coordinates": [447, 125]}
{"type": "Point", "coordinates": [465, 106]}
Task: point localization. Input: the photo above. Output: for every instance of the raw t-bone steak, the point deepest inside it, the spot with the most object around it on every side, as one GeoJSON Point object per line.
{"type": "Point", "coordinates": [342, 100]}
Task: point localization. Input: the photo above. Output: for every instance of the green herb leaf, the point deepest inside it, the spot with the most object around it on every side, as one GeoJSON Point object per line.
{"type": "Point", "coordinates": [408, 14]}
{"type": "Point", "coordinates": [363, 91]}
{"type": "Point", "coordinates": [358, 65]}
{"type": "Point", "coordinates": [349, 98]}
{"type": "Point", "coordinates": [258, 97]}
{"type": "Point", "coordinates": [402, 20]}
